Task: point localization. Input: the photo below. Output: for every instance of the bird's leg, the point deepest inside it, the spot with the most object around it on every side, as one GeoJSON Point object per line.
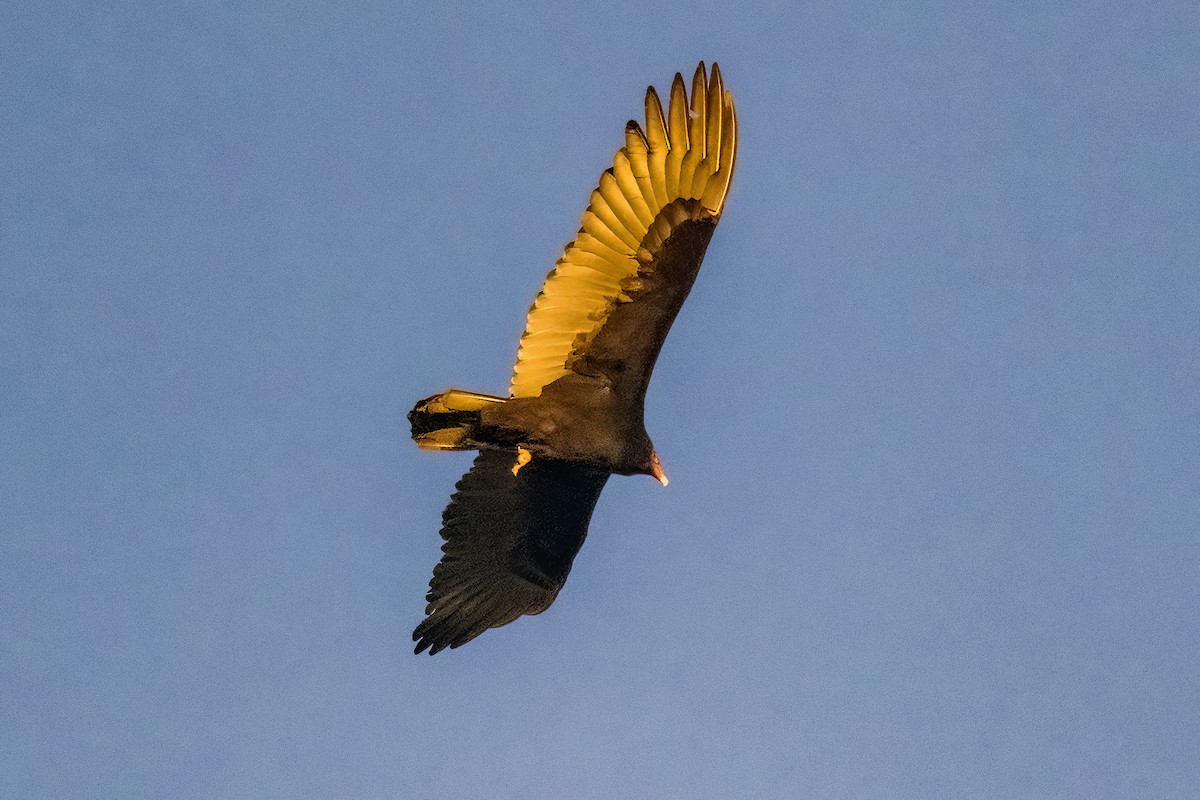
{"type": "Point", "coordinates": [523, 458]}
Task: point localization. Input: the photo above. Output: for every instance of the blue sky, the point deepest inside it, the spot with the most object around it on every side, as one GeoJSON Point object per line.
{"type": "Point", "coordinates": [929, 414]}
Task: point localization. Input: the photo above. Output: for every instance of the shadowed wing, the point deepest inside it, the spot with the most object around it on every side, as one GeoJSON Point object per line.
{"type": "Point", "coordinates": [510, 541]}
{"type": "Point", "coordinates": [610, 300]}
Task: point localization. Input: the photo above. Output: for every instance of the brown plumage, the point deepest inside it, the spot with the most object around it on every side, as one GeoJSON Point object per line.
{"type": "Point", "coordinates": [574, 414]}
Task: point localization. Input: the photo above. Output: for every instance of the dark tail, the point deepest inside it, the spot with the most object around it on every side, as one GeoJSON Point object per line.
{"type": "Point", "coordinates": [447, 420]}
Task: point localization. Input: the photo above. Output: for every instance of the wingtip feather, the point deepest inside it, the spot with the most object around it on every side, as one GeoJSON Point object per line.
{"type": "Point", "coordinates": [656, 123]}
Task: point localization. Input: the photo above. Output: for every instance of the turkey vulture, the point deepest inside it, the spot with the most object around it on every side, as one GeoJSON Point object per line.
{"type": "Point", "coordinates": [574, 414]}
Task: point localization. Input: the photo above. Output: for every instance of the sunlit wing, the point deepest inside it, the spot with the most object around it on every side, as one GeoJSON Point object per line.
{"type": "Point", "coordinates": [510, 543]}
{"type": "Point", "coordinates": [609, 301]}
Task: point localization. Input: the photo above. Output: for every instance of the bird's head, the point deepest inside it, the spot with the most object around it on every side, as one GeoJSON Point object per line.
{"type": "Point", "coordinates": [653, 468]}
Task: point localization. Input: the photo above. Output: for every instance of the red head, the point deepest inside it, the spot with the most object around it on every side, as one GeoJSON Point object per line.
{"type": "Point", "coordinates": [655, 470]}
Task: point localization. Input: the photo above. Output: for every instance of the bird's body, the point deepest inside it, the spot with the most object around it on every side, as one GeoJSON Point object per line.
{"type": "Point", "coordinates": [575, 411]}
{"type": "Point", "coordinates": [575, 419]}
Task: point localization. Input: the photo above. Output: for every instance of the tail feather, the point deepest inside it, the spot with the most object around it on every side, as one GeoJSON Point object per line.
{"type": "Point", "coordinates": [447, 420]}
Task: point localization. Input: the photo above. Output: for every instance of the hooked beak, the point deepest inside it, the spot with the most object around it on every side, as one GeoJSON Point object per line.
{"type": "Point", "coordinates": [656, 469]}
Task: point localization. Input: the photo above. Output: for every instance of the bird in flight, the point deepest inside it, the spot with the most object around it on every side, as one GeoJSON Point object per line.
{"type": "Point", "coordinates": [574, 414]}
